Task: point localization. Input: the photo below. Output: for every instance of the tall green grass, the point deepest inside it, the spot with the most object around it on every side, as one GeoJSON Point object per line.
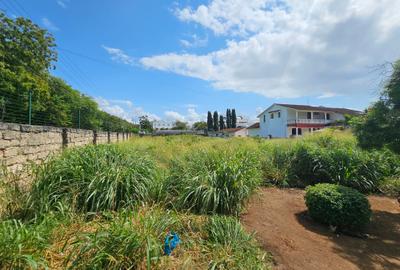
{"type": "Point", "coordinates": [227, 236]}
{"type": "Point", "coordinates": [93, 178]}
{"type": "Point", "coordinates": [22, 245]}
{"type": "Point", "coordinates": [327, 159]}
{"type": "Point", "coordinates": [214, 182]}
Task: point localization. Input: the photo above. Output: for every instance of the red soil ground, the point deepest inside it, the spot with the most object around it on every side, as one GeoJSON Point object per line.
{"type": "Point", "coordinates": [282, 226]}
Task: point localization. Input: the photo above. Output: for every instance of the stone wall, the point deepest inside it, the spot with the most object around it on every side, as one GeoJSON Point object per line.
{"type": "Point", "coordinates": [22, 144]}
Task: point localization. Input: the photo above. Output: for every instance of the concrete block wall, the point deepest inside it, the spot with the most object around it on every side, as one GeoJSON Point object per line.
{"type": "Point", "coordinates": [22, 144]}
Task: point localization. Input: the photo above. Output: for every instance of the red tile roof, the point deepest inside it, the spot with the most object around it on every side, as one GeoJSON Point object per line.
{"type": "Point", "coordinates": [255, 125]}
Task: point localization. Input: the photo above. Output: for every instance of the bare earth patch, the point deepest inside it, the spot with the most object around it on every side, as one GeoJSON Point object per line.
{"type": "Point", "coordinates": [282, 226]}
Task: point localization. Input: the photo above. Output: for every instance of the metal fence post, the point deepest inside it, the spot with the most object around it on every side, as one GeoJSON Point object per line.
{"type": "Point", "coordinates": [30, 108]}
{"type": "Point", "coordinates": [79, 118]}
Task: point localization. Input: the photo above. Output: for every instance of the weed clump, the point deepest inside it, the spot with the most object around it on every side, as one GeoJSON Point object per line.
{"type": "Point", "coordinates": [214, 182]}
{"type": "Point", "coordinates": [93, 178]}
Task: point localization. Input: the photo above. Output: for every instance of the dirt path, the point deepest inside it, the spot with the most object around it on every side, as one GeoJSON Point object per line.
{"type": "Point", "coordinates": [282, 226]}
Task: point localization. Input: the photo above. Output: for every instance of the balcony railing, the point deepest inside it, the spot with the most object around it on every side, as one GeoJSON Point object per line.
{"type": "Point", "coordinates": [308, 121]}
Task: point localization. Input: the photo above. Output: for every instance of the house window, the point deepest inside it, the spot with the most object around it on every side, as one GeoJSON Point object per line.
{"type": "Point", "coordinates": [272, 115]}
{"type": "Point", "coordinates": [308, 115]}
{"type": "Point", "coordinates": [293, 131]}
{"type": "Point", "coordinates": [299, 131]}
{"type": "Point", "coordinates": [264, 118]}
{"type": "Point", "coordinates": [279, 114]}
{"type": "Point", "coordinates": [328, 116]}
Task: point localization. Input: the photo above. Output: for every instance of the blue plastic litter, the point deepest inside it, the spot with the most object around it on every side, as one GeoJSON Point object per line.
{"type": "Point", "coordinates": [171, 242]}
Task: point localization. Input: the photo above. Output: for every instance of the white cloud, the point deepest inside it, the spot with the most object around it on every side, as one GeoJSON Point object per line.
{"type": "Point", "coordinates": [194, 42]}
{"type": "Point", "coordinates": [174, 116]}
{"type": "Point", "coordinates": [124, 109]}
{"type": "Point", "coordinates": [119, 55]}
{"type": "Point", "coordinates": [62, 3]}
{"type": "Point", "coordinates": [290, 48]}
{"type": "Point", "coordinates": [327, 95]}
{"type": "Point", "coordinates": [190, 116]}
{"type": "Point", "coordinates": [49, 25]}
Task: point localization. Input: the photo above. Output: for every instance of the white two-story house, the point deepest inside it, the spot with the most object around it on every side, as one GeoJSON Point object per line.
{"type": "Point", "coordinates": [287, 120]}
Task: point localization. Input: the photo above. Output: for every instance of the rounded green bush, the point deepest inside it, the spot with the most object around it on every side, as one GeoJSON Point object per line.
{"type": "Point", "coordinates": [339, 206]}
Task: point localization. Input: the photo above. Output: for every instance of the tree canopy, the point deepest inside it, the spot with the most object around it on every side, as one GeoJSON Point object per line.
{"type": "Point", "coordinates": [380, 125]}
{"type": "Point", "coordinates": [27, 53]}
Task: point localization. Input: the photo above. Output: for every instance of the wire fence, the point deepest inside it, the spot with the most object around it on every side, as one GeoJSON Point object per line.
{"type": "Point", "coordinates": [26, 108]}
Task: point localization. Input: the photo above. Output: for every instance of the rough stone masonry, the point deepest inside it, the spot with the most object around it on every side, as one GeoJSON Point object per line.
{"type": "Point", "coordinates": [23, 144]}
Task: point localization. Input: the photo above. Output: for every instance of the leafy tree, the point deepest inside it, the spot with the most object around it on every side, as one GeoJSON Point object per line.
{"type": "Point", "coordinates": [221, 122]}
{"type": "Point", "coordinates": [145, 123]}
{"type": "Point", "coordinates": [233, 119]}
{"type": "Point", "coordinates": [380, 125]}
{"type": "Point", "coordinates": [210, 125]}
{"type": "Point", "coordinates": [200, 125]}
{"type": "Point", "coordinates": [215, 121]}
{"type": "Point", "coordinates": [27, 52]}
{"type": "Point", "coordinates": [180, 126]}
{"type": "Point", "coordinates": [228, 118]}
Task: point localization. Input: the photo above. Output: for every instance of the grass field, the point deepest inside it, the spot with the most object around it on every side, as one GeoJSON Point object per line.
{"type": "Point", "coordinates": [111, 206]}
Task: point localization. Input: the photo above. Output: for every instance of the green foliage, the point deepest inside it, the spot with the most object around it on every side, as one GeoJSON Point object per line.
{"type": "Point", "coordinates": [226, 233]}
{"type": "Point", "coordinates": [221, 122]}
{"type": "Point", "coordinates": [214, 181]}
{"type": "Point", "coordinates": [21, 245]}
{"type": "Point", "coordinates": [326, 159]}
{"type": "Point", "coordinates": [234, 119]}
{"type": "Point", "coordinates": [93, 178]}
{"type": "Point", "coordinates": [215, 121]}
{"type": "Point", "coordinates": [200, 125]}
{"type": "Point", "coordinates": [228, 118]}
{"type": "Point", "coordinates": [180, 126]}
{"type": "Point", "coordinates": [391, 186]}
{"type": "Point", "coordinates": [145, 124]}
{"type": "Point", "coordinates": [27, 52]}
{"type": "Point", "coordinates": [338, 206]}
{"type": "Point", "coordinates": [225, 230]}
{"type": "Point", "coordinates": [380, 126]}
{"type": "Point", "coordinates": [210, 125]}
{"type": "Point", "coordinates": [120, 244]}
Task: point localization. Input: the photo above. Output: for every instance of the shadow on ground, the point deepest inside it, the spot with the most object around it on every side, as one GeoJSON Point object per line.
{"type": "Point", "coordinates": [381, 248]}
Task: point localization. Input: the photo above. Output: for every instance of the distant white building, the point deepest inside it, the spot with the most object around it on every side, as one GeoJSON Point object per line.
{"type": "Point", "coordinates": [161, 124]}
{"type": "Point", "coordinates": [286, 120]}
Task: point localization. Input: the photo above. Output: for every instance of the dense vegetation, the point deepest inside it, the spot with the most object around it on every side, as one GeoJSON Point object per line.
{"type": "Point", "coordinates": [111, 206]}
{"type": "Point", "coordinates": [27, 52]}
{"type": "Point", "coordinates": [380, 126]}
{"type": "Point", "coordinates": [339, 206]}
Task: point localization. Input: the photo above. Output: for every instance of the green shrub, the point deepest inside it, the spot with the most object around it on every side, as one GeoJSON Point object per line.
{"type": "Point", "coordinates": [93, 178]}
{"type": "Point", "coordinates": [338, 206]}
{"type": "Point", "coordinates": [210, 182]}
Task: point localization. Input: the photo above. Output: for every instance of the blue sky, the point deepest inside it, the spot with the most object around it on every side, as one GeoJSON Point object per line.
{"type": "Point", "coordinates": [176, 60]}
